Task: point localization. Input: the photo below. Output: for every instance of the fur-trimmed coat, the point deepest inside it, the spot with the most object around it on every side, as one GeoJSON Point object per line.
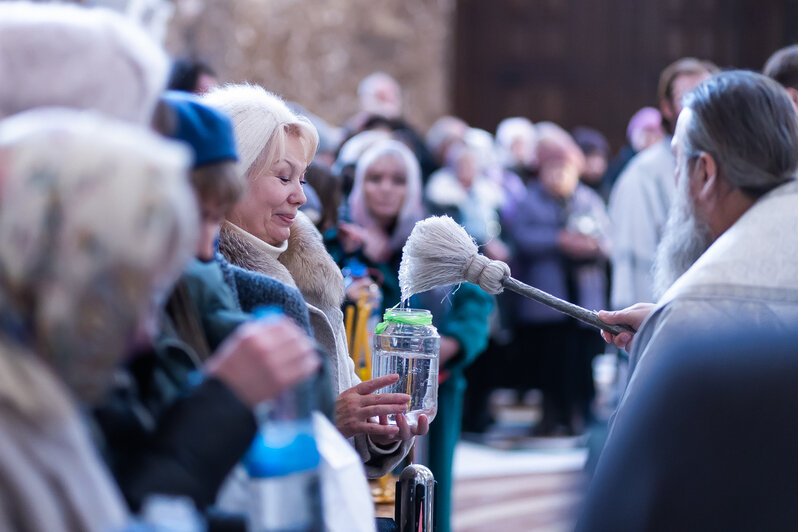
{"type": "Point", "coordinates": [306, 265]}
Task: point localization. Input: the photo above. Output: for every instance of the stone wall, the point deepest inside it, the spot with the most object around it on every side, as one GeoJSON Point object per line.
{"type": "Point", "coordinates": [315, 52]}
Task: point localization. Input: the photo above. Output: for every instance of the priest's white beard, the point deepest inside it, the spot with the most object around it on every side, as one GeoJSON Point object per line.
{"type": "Point", "coordinates": [684, 239]}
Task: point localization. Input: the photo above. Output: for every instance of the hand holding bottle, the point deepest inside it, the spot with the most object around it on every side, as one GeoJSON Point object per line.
{"type": "Point", "coordinates": [260, 360]}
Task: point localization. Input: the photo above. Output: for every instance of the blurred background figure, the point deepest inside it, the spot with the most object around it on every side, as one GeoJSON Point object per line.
{"type": "Point", "coordinates": [379, 94]}
{"type": "Point", "coordinates": [100, 61]}
{"type": "Point", "coordinates": [561, 237]}
{"type": "Point", "coordinates": [641, 197]}
{"type": "Point", "coordinates": [380, 98]}
{"type": "Point", "coordinates": [596, 150]}
{"type": "Point", "coordinates": [515, 145]}
{"type": "Point", "coordinates": [384, 206]}
{"type": "Point", "coordinates": [446, 132]}
{"type": "Point", "coordinates": [463, 190]}
{"type": "Point", "coordinates": [96, 221]}
{"type": "Point", "coordinates": [329, 189]}
{"type": "Point", "coordinates": [782, 67]}
{"type": "Point", "coordinates": [643, 131]}
{"type": "Point", "coordinates": [348, 155]}
{"type": "Point", "coordinates": [192, 75]}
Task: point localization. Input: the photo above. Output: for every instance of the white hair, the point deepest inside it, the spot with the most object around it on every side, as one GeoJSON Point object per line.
{"type": "Point", "coordinates": [261, 122]}
{"type": "Point", "coordinates": [684, 239]}
{"type": "Point", "coordinates": [367, 93]}
{"type": "Point", "coordinates": [483, 147]}
{"type": "Point", "coordinates": [445, 129]}
{"type": "Point", "coordinates": [71, 56]}
{"type": "Point", "coordinates": [510, 130]}
{"type": "Point", "coordinates": [352, 149]}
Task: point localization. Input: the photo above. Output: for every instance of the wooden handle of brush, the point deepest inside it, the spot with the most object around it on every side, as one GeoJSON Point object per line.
{"type": "Point", "coordinates": [575, 311]}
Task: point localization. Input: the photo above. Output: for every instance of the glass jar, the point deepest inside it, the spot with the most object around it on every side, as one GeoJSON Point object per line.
{"type": "Point", "coordinates": [406, 343]}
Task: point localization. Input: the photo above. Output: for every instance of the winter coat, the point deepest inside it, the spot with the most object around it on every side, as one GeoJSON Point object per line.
{"type": "Point", "coordinates": [746, 278]}
{"type": "Point", "coordinates": [474, 209]}
{"type": "Point", "coordinates": [306, 265]}
{"type": "Point", "coordinates": [638, 209]}
{"type": "Point", "coordinates": [534, 229]}
{"type": "Point", "coordinates": [165, 432]}
{"type": "Point", "coordinates": [52, 477]}
{"type": "Point", "coordinates": [155, 421]}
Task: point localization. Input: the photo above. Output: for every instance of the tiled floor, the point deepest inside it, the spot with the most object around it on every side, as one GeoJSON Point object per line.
{"type": "Point", "coordinates": [519, 490]}
{"type": "Point", "coordinates": [507, 481]}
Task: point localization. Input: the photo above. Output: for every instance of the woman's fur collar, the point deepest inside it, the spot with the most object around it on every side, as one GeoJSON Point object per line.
{"type": "Point", "coordinates": [305, 264]}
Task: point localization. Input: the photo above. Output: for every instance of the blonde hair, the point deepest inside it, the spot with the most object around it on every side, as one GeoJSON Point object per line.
{"type": "Point", "coordinates": [261, 123]}
{"type": "Point", "coordinates": [70, 56]}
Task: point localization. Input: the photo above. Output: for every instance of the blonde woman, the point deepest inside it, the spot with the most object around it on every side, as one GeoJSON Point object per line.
{"type": "Point", "coordinates": [266, 233]}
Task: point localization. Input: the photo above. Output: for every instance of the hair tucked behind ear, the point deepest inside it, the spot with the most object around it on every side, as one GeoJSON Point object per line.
{"type": "Point", "coordinates": [748, 123]}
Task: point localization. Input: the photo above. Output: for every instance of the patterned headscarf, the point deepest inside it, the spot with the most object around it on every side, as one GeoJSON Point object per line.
{"type": "Point", "coordinates": [96, 220]}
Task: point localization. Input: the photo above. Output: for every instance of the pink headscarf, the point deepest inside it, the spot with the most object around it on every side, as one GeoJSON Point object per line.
{"type": "Point", "coordinates": [411, 210]}
{"type": "Point", "coordinates": [647, 117]}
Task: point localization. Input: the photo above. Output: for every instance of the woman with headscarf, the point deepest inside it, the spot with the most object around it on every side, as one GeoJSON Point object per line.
{"type": "Point", "coordinates": [96, 221]}
{"type": "Point", "coordinates": [386, 203]}
{"type": "Point", "coordinates": [266, 233]}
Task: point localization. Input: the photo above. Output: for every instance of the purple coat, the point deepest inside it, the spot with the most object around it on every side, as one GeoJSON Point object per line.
{"type": "Point", "coordinates": [533, 228]}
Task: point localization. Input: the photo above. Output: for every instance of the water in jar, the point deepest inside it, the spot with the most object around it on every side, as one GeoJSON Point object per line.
{"type": "Point", "coordinates": [418, 378]}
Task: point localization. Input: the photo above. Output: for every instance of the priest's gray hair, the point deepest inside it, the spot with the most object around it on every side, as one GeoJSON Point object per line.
{"type": "Point", "coordinates": [749, 125]}
{"type": "Point", "coordinates": [54, 55]}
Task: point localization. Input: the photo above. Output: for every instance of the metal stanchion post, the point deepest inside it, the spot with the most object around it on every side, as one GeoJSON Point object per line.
{"type": "Point", "coordinates": [415, 499]}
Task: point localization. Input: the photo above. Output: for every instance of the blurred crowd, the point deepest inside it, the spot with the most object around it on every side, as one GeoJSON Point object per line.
{"type": "Point", "coordinates": [150, 211]}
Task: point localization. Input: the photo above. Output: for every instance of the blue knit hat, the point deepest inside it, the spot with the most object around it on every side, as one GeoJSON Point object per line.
{"type": "Point", "coordinates": [208, 131]}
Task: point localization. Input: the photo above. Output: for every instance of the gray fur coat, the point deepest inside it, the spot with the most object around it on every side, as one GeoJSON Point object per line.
{"type": "Point", "coordinates": [307, 266]}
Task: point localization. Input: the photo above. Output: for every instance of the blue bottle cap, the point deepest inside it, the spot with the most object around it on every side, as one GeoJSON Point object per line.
{"type": "Point", "coordinates": [276, 455]}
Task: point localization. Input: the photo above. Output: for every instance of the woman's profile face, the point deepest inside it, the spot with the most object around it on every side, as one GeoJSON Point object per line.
{"type": "Point", "coordinates": [384, 189]}
{"type": "Point", "coordinates": [274, 195]}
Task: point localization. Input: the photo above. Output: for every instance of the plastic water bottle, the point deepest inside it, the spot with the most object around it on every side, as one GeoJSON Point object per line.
{"type": "Point", "coordinates": [407, 343]}
{"type": "Point", "coordinates": [283, 462]}
{"type": "Point", "coordinates": [354, 270]}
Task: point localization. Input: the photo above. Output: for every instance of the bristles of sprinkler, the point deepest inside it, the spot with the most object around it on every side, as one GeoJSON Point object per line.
{"type": "Point", "coordinates": [439, 252]}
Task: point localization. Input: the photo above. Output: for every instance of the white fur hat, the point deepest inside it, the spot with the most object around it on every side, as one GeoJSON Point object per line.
{"type": "Point", "coordinates": [70, 56]}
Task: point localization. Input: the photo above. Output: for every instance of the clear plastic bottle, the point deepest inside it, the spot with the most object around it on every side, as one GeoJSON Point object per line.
{"type": "Point", "coordinates": [283, 462]}
{"type": "Point", "coordinates": [406, 343]}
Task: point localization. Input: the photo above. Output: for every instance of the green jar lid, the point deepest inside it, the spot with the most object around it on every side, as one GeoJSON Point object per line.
{"type": "Point", "coordinates": [409, 316]}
